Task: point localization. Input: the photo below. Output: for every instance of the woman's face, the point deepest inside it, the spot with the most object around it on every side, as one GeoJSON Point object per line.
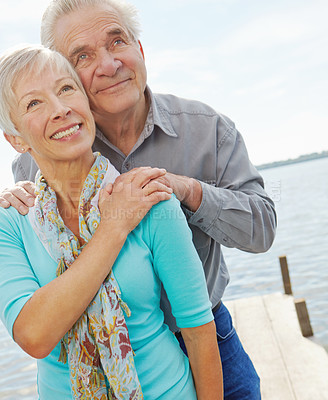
{"type": "Point", "coordinates": [53, 116]}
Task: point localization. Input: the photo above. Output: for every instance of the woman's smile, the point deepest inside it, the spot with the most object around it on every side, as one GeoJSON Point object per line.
{"type": "Point", "coordinates": [67, 133]}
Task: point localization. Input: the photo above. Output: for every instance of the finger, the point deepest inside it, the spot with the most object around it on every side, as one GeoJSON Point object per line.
{"type": "Point", "coordinates": [154, 186]}
{"type": "Point", "coordinates": [118, 186]}
{"type": "Point", "coordinates": [16, 203]}
{"type": "Point", "coordinates": [163, 179]}
{"type": "Point", "coordinates": [136, 169]}
{"type": "Point", "coordinates": [4, 203]}
{"type": "Point", "coordinates": [143, 177]}
{"type": "Point", "coordinates": [128, 177]}
{"type": "Point", "coordinates": [157, 197]}
{"type": "Point", "coordinates": [21, 194]}
{"type": "Point", "coordinates": [28, 186]}
{"type": "Point", "coordinates": [108, 188]}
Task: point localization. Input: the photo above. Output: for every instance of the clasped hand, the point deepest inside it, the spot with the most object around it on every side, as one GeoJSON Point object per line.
{"type": "Point", "coordinates": [131, 196]}
{"type": "Point", "coordinates": [124, 202]}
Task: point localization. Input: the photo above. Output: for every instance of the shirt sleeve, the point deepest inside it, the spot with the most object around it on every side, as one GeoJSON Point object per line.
{"type": "Point", "coordinates": [17, 280]}
{"type": "Point", "coordinates": [24, 168]}
{"type": "Point", "coordinates": [178, 266]}
{"type": "Point", "coordinates": [235, 210]}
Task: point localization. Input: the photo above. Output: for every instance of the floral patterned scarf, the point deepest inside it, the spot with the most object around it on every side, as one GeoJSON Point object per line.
{"type": "Point", "coordinates": [97, 347]}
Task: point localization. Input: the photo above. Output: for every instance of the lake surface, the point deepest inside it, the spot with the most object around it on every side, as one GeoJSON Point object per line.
{"type": "Point", "coordinates": [300, 192]}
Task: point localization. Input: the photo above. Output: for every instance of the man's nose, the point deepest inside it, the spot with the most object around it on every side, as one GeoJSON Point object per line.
{"type": "Point", "coordinates": [107, 64]}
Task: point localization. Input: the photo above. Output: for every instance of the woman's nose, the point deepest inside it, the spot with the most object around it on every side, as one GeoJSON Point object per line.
{"type": "Point", "coordinates": [107, 64]}
{"type": "Point", "coordinates": [60, 109]}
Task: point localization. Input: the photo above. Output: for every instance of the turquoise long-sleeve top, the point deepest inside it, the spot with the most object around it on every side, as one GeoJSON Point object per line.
{"type": "Point", "coordinates": [158, 251]}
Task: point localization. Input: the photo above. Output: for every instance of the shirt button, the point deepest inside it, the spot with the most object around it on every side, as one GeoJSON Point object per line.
{"type": "Point", "coordinates": [127, 165]}
{"type": "Point", "coordinates": [201, 220]}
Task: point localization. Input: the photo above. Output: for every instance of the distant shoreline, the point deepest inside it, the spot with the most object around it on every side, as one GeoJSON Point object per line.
{"type": "Point", "coordinates": [305, 157]}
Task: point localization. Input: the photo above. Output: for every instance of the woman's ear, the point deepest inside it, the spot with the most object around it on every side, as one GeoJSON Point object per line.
{"type": "Point", "coordinates": [17, 143]}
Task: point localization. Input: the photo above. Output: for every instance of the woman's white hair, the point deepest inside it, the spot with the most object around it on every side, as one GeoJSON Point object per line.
{"type": "Point", "coordinates": [22, 62]}
{"type": "Point", "coordinates": [128, 14]}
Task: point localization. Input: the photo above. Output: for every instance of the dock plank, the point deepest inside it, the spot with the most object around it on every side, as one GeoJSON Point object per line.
{"type": "Point", "coordinates": [290, 366]}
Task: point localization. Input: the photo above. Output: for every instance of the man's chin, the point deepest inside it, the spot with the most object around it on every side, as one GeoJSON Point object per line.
{"type": "Point", "coordinates": [112, 105]}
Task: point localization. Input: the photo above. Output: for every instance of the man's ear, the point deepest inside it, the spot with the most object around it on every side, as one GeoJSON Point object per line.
{"type": "Point", "coordinates": [17, 142]}
{"type": "Point", "coordinates": [141, 49]}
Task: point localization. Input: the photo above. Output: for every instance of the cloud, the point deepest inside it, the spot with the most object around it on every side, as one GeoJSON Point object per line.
{"type": "Point", "coordinates": [269, 86]}
{"type": "Point", "coordinates": [280, 28]}
{"type": "Point", "coordinates": [184, 3]}
{"type": "Point", "coordinates": [300, 133]}
{"type": "Point", "coordinates": [20, 22]}
{"type": "Point", "coordinates": [16, 11]}
{"type": "Point", "coordinates": [263, 64]}
{"type": "Point", "coordinates": [195, 63]}
{"type": "Point", "coordinates": [263, 33]}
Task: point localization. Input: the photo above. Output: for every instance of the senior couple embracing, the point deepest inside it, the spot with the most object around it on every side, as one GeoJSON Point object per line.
{"type": "Point", "coordinates": [113, 278]}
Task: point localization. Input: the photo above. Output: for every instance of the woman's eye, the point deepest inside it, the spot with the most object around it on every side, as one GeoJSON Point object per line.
{"type": "Point", "coordinates": [32, 104]}
{"type": "Point", "coordinates": [67, 88]}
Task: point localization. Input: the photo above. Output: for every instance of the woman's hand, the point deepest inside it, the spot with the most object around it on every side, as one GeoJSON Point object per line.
{"type": "Point", "coordinates": [124, 204]}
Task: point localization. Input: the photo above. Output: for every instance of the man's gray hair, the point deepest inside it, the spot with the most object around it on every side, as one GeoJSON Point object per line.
{"type": "Point", "coordinates": [128, 14]}
{"type": "Point", "coordinates": [21, 62]}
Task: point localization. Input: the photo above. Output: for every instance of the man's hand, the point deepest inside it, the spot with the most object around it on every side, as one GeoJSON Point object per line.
{"type": "Point", "coordinates": [124, 204]}
{"type": "Point", "coordinates": [187, 190]}
{"type": "Point", "coordinates": [21, 197]}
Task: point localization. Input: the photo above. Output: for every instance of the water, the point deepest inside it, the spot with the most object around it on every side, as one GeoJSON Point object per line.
{"type": "Point", "coordinates": [300, 192]}
{"type": "Point", "coordinates": [17, 370]}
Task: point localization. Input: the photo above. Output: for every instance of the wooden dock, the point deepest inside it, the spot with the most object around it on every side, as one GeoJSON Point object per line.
{"type": "Point", "coordinates": [291, 367]}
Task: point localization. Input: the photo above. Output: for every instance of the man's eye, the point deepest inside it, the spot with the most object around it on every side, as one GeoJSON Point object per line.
{"type": "Point", "coordinates": [80, 59]}
{"type": "Point", "coordinates": [118, 41]}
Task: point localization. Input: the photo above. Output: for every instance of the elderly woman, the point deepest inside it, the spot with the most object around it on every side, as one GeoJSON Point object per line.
{"type": "Point", "coordinates": [81, 275]}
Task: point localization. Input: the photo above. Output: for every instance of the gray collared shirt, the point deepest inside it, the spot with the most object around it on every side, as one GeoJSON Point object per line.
{"type": "Point", "coordinates": [189, 138]}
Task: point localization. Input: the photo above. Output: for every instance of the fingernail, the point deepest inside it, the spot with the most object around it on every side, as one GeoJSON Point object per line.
{"type": "Point", "coordinates": [22, 210]}
{"type": "Point", "coordinates": [30, 202]}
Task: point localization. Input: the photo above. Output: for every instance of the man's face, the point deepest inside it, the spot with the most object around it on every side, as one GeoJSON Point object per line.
{"type": "Point", "coordinates": [109, 63]}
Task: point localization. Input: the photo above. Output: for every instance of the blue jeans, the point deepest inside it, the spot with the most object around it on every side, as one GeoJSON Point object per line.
{"type": "Point", "coordinates": [240, 379]}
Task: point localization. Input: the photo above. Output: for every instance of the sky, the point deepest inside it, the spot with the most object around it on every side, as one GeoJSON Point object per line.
{"type": "Point", "coordinates": [262, 63]}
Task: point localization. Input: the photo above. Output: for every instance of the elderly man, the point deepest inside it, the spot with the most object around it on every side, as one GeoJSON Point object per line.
{"type": "Point", "coordinates": [220, 191]}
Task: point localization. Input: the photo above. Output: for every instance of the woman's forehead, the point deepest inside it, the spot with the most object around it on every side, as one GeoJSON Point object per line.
{"type": "Point", "coordinates": [29, 79]}
{"type": "Point", "coordinates": [40, 72]}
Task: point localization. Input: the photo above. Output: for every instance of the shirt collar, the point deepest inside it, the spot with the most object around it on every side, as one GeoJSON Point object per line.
{"type": "Point", "coordinates": [157, 116]}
